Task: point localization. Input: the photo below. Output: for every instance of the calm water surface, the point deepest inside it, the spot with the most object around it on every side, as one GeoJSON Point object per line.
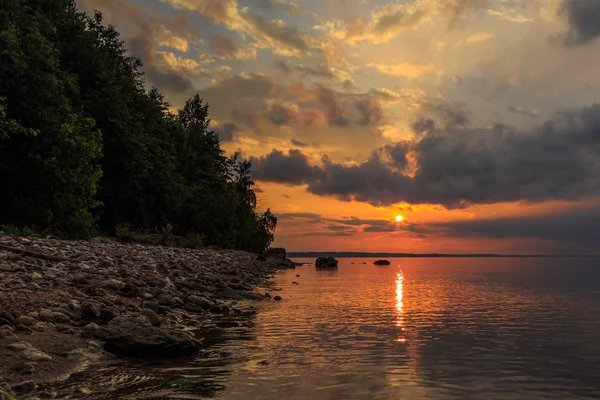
{"type": "Point", "coordinates": [417, 329]}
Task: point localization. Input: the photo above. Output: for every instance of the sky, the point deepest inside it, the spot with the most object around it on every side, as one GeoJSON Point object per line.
{"type": "Point", "coordinates": [477, 121]}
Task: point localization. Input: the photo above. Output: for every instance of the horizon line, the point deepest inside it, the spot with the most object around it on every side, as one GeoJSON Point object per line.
{"type": "Point", "coordinates": [350, 254]}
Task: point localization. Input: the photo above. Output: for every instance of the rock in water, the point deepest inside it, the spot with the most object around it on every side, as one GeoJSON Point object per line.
{"type": "Point", "coordinates": [134, 336]}
{"type": "Point", "coordinates": [326, 263]}
{"type": "Point", "coordinates": [382, 262]}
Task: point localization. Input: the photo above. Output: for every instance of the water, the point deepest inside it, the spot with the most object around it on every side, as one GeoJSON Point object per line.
{"type": "Point", "coordinates": [470, 328]}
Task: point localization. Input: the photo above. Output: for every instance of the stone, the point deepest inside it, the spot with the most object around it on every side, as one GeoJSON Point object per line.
{"type": "Point", "coordinates": [33, 354]}
{"type": "Point", "coordinates": [277, 253]}
{"type": "Point", "coordinates": [93, 352]}
{"type": "Point", "coordinates": [277, 298]}
{"type": "Point", "coordinates": [82, 392]}
{"type": "Point", "coordinates": [114, 284]}
{"type": "Point", "coordinates": [326, 263]}
{"type": "Point", "coordinates": [134, 336]}
{"type": "Point", "coordinates": [382, 262]}
{"type": "Point", "coordinates": [6, 268]}
{"type": "Point", "coordinates": [201, 301]}
{"type": "Point", "coordinates": [151, 305]}
{"type": "Point", "coordinates": [24, 368]}
{"type": "Point", "coordinates": [36, 276]}
{"type": "Point", "coordinates": [25, 320]}
{"type": "Point", "coordinates": [24, 388]}
{"type": "Point", "coordinates": [155, 320]}
{"type": "Point", "coordinates": [166, 300]}
{"type": "Point", "coordinates": [90, 330]}
{"type": "Point", "coordinates": [19, 346]}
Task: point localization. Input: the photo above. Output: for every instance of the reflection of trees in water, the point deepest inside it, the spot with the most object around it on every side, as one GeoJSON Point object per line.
{"type": "Point", "coordinates": [199, 377]}
{"type": "Point", "coordinates": [488, 339]}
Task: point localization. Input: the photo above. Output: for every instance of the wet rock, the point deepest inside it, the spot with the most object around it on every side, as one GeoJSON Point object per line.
{"type": "Point", "coordinates": [295, 283]}
{"type": "Point", "coordinates": [134, 336]}
{"type": "Point", "coordinates": [267, 295]}
{"type": "Point", "coordinates": [326, 263]}
{"type": "Point", "coordinates": [277, 298]}
{"type": "Point", "coordinates": [155, 320]}
{"type": "Point", "coordinates": [382, 262]}
{"type": "Point", "coordinates": [297, 276]}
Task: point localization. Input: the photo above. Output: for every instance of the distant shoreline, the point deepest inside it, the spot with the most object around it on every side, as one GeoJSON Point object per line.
{"type": "Point", "coordinates": [432, 255]}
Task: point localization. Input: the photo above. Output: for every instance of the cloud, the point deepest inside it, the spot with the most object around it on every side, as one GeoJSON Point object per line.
{"type": "Point", "coordinates": [227, 131]}
{"type": "Point", "coordinates": [583, 17]}
{"type": "Point", "coordinates": [389, 21]}
{"type": "Point", "coordinates": [480, 37]}
{"type": "Point", "coordinates": [451, 114]}
{"type": "Point", "coordinates": [265, 33]}
{"type": "Point", "coordinates": [559, 159]}
{"type": "Point", "coordinates": [574, 230]}
{"type": "Point", "coordinates": [407, 70]}
{"type": "Point", "coordinates": [148, 30]}
{"type": "Point", "coordinates": [422, 125]}
{"type": "Point", "coordinates": [223, 45]}
{"type": "Point", "coordinates": [533, 113]}
{"type": "Point", "coordinates": [292, 168]}
{"type": "Point", "coordinates": [298, 143]}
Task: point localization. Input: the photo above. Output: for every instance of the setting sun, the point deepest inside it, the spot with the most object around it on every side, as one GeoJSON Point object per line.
{"type": "Point", "coordinates": [399, 218]}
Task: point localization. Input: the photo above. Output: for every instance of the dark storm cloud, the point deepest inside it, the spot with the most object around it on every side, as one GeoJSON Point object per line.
{"type": "Point", "coordinates": [423, 125]}
{"type": "Point", "coordinates": [575, 230]}
{"type": "Point", "coordinates": [459, 167]}
{"type": "Point", "coordinates": [298, 143]}
{"type": "Point", "coordinates": [292, 168]}
{"type": "Point", "coordinates": [583, 17]}
{"type": "Point", "coordinates": [226, 131]}
{"type": "Point", "coordinates": [453, 115]}
{"type": "Point", "coordinates": [370, 111]}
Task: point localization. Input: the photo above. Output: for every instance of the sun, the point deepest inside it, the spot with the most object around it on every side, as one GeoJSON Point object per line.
{"type": "Point", "coordinates": [399, 218]}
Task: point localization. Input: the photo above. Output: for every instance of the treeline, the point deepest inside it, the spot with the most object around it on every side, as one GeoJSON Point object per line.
{"type": "Point", "coordinates": [84, 146]}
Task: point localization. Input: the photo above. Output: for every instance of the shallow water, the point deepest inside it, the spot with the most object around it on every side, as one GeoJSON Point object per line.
{"type": "Point", "coordinates": [471, 328]}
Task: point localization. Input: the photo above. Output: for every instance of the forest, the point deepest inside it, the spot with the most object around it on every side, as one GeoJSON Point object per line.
{"type": "Point", "coordinates": [87, 148]}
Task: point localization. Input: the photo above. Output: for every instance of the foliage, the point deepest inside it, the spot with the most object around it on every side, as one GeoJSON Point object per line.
{"type": "Point", "coordinates": [84, 144]}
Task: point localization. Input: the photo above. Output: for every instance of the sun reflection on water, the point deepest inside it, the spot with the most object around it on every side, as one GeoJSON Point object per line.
{"type": "Point", "coordinates": [400, 304]}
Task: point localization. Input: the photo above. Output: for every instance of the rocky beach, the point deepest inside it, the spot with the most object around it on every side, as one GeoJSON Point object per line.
{"type": "Point", "coordinates": [66, 304]}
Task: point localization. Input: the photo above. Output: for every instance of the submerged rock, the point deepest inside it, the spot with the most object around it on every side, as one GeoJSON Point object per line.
{"type": "Point", "coordinates": [326, 263]}
{"type": "Point", "coordinates": [382, 262]}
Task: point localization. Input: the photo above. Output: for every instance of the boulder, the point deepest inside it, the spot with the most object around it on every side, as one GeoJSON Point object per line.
{"type": "Point", "coordinates": [382, 262]}
{"type": "Point", "coordinates": [134, 336]}
{"type": "Point", "coordinates": [278, 253]}
{"type": "Point", "coordinates": [326, 263]}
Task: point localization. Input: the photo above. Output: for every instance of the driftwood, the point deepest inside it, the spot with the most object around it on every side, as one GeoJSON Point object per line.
{"type": "Point", "coordinates": [33, 254]}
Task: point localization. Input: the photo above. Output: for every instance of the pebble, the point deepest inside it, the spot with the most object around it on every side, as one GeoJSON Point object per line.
{"type": "Point", "coordinates": [155, 320]}
{"type": "Point", "coordinates": [24, 388]}
{"type": "Point", "coordinates": [19, 346]}
{"type": "Point", "coordinates": [32, 354]}
{"type": "Point", "coordinates": [36, 276]}
{"type": "Point", "coordinates": [25, 320]}
{"type": "Point", "coordinates": [6, 268]}
{"type": "Point", "coordinates": [277, 298]}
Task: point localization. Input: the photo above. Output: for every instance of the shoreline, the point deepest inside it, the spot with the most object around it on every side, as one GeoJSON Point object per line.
{"type": "Point", "coordinates": [66, 304]}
